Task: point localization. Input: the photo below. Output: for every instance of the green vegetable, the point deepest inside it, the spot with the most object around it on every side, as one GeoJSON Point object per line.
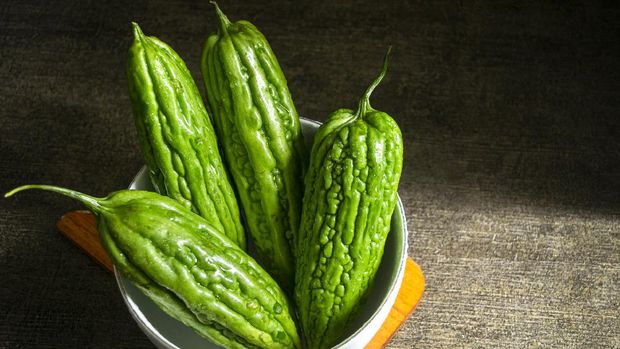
{"type": "Point", "coordinates": [350, 195]}
{"type": "Point", "coordinates": [260, 133]}
{"type": "Point", "coordinates": [189, 269]}
{"type": "Point", "coordinates": [176, 136]}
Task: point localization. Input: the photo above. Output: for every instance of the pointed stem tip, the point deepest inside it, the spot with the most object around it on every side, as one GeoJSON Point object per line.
{"type": "Point", "coordinates": [364, 103]}
{"type": "Point", "coordinates": [137, 32]}
{"type": "Point", "coordinates": [224, 22]}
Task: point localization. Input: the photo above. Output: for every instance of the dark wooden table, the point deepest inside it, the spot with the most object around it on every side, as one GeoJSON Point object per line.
{"type": "Point", "coordinates": [511, 120]}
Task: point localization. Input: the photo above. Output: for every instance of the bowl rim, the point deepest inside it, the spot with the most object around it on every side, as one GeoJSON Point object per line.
{"type": "Point", "coordinates": [143, 322]}
{"type": "Point", "coordinates": [376, 319]}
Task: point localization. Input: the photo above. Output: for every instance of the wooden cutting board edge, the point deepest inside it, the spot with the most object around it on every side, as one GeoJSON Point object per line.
{"type": "Point", "coordinates": [80, 228]}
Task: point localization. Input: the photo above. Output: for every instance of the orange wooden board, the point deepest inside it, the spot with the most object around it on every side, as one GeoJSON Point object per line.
{"type": "Point", "coordinates": [408, 297]}
{"type": "Point", "coordinates": [80, 227]}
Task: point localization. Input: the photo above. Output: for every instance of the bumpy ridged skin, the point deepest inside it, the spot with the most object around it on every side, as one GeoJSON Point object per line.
{"type": "Point", "coordinates": [260, 133]}
{"type": "Point", "coordinates": [176, 136]}
{"type": "Point", "coordinates": [163, 298]}
{"type": "Point", "coordinates": [350, 195]}
{"type": "Point", "coordinates": [190, 270]}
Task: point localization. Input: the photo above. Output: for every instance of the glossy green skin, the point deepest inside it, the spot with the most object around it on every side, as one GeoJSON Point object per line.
{"type": "Point", "coordinates": [350, 195]}
{"type": "Point", "coordinates": [260, 133]}
{"type": "Point", "coordinates": [176, 136]}
{"type": "Point", "coordinates": [190, 270]}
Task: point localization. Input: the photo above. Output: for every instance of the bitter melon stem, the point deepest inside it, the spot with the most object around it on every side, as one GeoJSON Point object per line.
{"type": "Point", "coordinates": [364, 103]}
{"type": "Point", "coordinates": [137, 32]}
{"type": "Point", "coordinates": [91, 202]}
{"type": "Point", "coordinates": [224, 22]}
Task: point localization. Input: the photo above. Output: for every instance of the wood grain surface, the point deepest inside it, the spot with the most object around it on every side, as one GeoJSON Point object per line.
{"type": "Point", "coordinates": [510, 113]}
{"type": "Point", "coordinates": [408, 297]}
{"type": "Point", "coordinates": [80, 228]}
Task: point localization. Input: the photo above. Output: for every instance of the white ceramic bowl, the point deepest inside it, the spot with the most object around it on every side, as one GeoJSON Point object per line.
{"type": "Point", "coordinates": [167, 333]}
